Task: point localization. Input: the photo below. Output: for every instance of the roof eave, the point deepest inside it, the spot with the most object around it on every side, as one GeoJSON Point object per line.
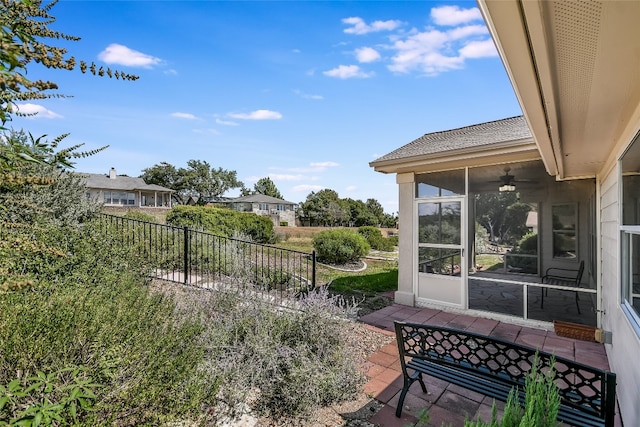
{"type": "Point", "coordinates": [511, 24]}
{"type": "Point", "coordinates": [508, 152]}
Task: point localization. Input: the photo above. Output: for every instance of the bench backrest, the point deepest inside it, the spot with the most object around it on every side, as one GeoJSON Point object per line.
{"type": "Point", "coordinates": [589, 389]}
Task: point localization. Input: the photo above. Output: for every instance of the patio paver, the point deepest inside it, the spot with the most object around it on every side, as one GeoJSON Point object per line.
{"type": "Point", "coordinates": [448, 403]}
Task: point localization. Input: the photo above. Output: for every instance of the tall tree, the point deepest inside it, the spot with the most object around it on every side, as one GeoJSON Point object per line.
{"type": "Point", "coordinates": [209, 183]}
{"type": "Point", "coordinates": [360, 214]}
{"type": "Point", "coordinates": [267, 187]}
{"type": "Point", "coordinates": [198, 179]}
{"type": "Point", "coordinates": [169, 176]}
{"type": "Point", "coordinates": [325, 208]}
{"type": "Point", "coordinates": [503, 215]}
{"type": "Point", "coordinates": [376, 210]}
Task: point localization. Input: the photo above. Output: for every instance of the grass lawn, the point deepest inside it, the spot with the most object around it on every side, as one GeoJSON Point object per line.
{"type": "Point", "coordinates": [379, 276]}
{"type": "Point", "coordinates": [489, 262]}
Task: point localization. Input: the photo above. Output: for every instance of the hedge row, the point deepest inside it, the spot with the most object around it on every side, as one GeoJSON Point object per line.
{"type": "Point", "coordinates": [223, 222]}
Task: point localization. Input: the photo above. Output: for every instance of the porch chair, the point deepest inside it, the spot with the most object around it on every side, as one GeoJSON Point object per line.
{"type": "Point", "coordinates": [562, 277]}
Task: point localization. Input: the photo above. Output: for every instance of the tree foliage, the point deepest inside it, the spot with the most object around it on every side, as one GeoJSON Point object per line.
{"type": "Point", "coordinates": [267, 187]}
{"type": "Point", "coordinates": [326, 208]}
{"type": "Point", "coordinates": [503, 216]}
{"type": "Point", "coordinates": [199, 180]}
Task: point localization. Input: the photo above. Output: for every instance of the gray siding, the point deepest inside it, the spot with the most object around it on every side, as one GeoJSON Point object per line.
{"type": "Point", "coordinates": [625, 350]}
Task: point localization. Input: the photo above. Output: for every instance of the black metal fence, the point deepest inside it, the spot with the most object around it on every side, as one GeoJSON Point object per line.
{"type": "Point", "coordinates": [183, 255]}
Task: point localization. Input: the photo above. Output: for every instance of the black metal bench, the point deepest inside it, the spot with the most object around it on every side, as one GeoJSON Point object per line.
{"type": "Point", "coordinates": [493, 367]}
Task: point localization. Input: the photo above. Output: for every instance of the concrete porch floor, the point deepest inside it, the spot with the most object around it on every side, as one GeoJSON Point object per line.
{"type": "Point", "coordinates": [448, 403]}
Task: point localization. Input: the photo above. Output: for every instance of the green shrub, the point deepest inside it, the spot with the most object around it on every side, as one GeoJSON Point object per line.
{"type": "Point", "coordinates": [284, 224]}
{"type": "Point", "coordinates": [373, 236]}
{"type": "Point", "coordinates": [140, 216]}
{"type": "Point", "coordinates": [47, 398]}
{"type": "Point", "coordinates": [89, 307]}
{"type": "Point", "coordinates": [541, 405]}
{"type": "Point", "coordinates": [375, 239]}
{"type": "Point", "coordinates": [297, 360]}
{"type": "Point", "coordinates": [339, 246]}
{"type": "Point", "coordinates": [528, 244]}
{"type": "Point", "coordinates": [223, 222]}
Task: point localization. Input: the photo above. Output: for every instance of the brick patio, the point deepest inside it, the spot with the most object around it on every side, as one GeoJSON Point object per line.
{"type": "Point", "coordinates": [448, 403]}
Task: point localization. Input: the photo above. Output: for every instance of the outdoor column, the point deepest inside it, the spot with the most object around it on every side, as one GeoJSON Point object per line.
{"type": "Point", "coordinates": [406, 187]}
{"type": "Point", "coordinates": [155, 199]}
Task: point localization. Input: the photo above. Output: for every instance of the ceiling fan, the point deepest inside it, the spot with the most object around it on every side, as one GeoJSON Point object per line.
{"type": "Point", "coordinates": [507, 181]}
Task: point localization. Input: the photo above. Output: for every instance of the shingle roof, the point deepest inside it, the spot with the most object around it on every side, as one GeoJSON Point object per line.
{"type": "Point", "coordinates": [123, 183]}
{"type": "Point", "coordinates": [474, 136]}
{"type": "Point", "coordinates": [259, 198]}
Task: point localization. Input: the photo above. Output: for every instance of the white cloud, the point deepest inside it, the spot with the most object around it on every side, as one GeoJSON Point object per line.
{"type": "Point", "coordinates": [367, 54]}
{"type": "Point", "coordinates": [257, 115]}
{"type": "Point", "coordinates": [324, 164]}
{"type": "Point", "coordinates": [226, 122]}
{"type": "Point", "coordinates": [479, 49]}
{"type": "Point", "coordinates": [171, 72]}
{"type": "Point", "coordinates": [460, 33]}
{"type": "Point", "coordinates": [359, 26]}
{"type": "Point", "coordinates": [187, 116]}
{"type": "Point", "coordinates": [36, 111]}
{"type": "Point", "coordinates": [347, 72]}
{"type": "Point", "coordinates": [454, 15]}
{"type": "Point", "coordinates": [432, 52]}
{"type": "Point", "coordinates": [122, 55]}
{"type": "Point", "coordinates": [286, 177]}
{"type": "Point", "coordinates": [351, 188]}
{"type": "Point", "coordinates": [307, 95]}
{"type": "Point", "coordinates": [307, 188]}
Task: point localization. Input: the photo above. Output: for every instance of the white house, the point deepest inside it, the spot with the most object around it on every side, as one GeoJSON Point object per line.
{"type": "Point", "coordinates": [574, 154]}
{"type": "Point", "coordinates": [123, 191]}
{"type": "Point", "coordinates": [280, 211]}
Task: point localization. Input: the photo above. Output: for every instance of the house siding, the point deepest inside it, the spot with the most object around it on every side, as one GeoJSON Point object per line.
{"type": "Point", "coordinates": [626, 343]}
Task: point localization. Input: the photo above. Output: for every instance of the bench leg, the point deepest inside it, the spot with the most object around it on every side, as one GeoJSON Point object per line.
{"type": "Point", "coordinates": [407, 384]}
{"type": "Point", "coordinates": [403, 394]}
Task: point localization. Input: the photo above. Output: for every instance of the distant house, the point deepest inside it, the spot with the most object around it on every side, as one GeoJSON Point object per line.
{"type": "Point", "coordinates": [124, 191]}
{"type": "Point", "coordinates": [280, 211]}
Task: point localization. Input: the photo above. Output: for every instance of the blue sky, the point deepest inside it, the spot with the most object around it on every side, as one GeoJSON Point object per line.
{"type": "Point", "coordinates": [305, 92]}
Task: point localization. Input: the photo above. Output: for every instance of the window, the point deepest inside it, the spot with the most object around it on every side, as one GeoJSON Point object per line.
{"type": "Point", "coordinates": [630, 232]}
{"type": "Point", "coordinates": [439, 237]}
{"type": "Point", "coordinates": [282, 207]}
{"type": "Point", "coordinates": [565, 240]}
{"type": "Point", "coordinates": [119, 198]}
{"type": "Point", "coordinates": [439, 184]}
{"type": "Point", "coordinates": [263, 206]}
{"type": "Point", "coordinates": [439, 223]}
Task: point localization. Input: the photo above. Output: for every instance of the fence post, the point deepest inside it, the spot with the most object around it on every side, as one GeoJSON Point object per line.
{"type": "Point", "coordinates": [313, 269]}
{"type": "Point", "coordinates": [186, 255]}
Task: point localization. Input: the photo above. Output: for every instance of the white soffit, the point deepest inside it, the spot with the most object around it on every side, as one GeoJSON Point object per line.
{"type": "Point", "coordinates": [574, 65]}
